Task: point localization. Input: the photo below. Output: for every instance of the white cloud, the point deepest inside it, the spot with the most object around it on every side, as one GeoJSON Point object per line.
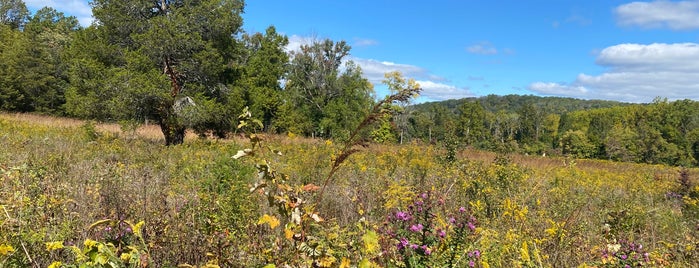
{"type": "Point", "coordinates": [296, 41]}
{"type": "Point", "coordinates": [78, 8]}
{"type": "Point", "coordinates": [681, 15]}
{"type": "Point", "coordinates": [637, 73]}
{"type": "Point", "coordinates": [363, 42]}
{"type": "Point", "coordinates": [482, 48]}
{"type": "Point", "coordinates": [374, 70]}
{"type": "Point", "coordinates": [439, 91]}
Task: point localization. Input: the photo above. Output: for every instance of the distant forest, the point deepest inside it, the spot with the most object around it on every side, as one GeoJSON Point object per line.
{"type": "Point", "coordinates": [184, 66]}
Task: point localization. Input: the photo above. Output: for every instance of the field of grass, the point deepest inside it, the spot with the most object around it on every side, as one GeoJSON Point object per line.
{"type": "Point", "coordinates": [76, 193]}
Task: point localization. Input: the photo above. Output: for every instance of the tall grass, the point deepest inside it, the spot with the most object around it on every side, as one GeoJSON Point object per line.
{"type": "Point", "coordinates": [59, 176]}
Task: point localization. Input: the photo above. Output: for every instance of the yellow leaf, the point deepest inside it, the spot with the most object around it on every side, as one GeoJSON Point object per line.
{"type": "Point", "coordinates": [371, 242]}
{"type": "Point", "coordinates": [345, 263]}
{"type": "Point", "coordinates": [271, 220]}
{"type": "Point", "coordinates": [55, 264]}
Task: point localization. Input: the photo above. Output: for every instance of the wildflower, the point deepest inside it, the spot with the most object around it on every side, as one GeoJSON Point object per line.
{"type": "Point", "coordinates": [624, 257]}
{"type": "Point", "coordinates": [414, 246]}
{"type": "Point", "coordinates": [403, 216]}
{"type": "Point", "coordinates": [402, 244]}
{"type": "Point", "coordinates": [441, 233]}
{"type": "Point", "coordinates": [471, 264]}
{"type": "Point", "coordinates": [462, 209]}
{"type": "Point", "coordinates": [426, 250]}
{"type": "Point", "coordinates": [416, 228]}
{"type": "Point", "coordinates": [477, 253]}
{"type": "Point", "coordinates": [452, 220]}
{"type": "Point", "coordinates": [471, 226]}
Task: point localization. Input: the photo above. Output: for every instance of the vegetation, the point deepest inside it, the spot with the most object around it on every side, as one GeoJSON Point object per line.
{"type": "Point", "coordinates": [80, 194]}
{"type": "Point", "coordinates": [325, 176]}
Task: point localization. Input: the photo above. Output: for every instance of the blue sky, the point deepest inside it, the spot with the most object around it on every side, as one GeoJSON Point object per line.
{"type": "Point", "coordinates": [614, 50]}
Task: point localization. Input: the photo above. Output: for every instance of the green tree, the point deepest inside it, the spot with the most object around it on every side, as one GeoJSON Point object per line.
{"type": "Point", "coordinates": [264, 68]}
{"type": "Point", "coordinates": [471, 122]}
{"type": "Point", "coordinates": [33, 75]}
{"type": "Point", "coordinates": [173, 62]}
{"type": "Point", "coordinates": [575, 143]}
{"type": "Point", "coordinates": [322, 100]}
{"type": "Point", "coordinates": [13, 13]}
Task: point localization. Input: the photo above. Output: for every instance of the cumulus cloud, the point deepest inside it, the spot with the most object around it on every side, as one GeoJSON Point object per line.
{"type": "Point", "coordinates": [374, 70]}
{"type": "Point", "coordinates": [78, 8]}
{"type": "Point", "coordinates": [682, 15]}
{"type": "Point", "coordinates": [439, 91]}
{"type": "Point", "coordinates": [636, 73]}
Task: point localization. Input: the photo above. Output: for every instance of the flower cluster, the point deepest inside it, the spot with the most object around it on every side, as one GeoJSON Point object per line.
{"type": "Point", "coordinates": [415, 233]}
{"type": "Point", "coordinates": [624, 254]}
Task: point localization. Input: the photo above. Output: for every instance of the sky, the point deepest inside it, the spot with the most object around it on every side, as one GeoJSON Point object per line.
{"type": "Point", "coordinates": [630, 51]}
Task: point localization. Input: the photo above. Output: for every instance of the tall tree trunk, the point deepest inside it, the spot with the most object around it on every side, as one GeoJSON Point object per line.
{"type": "Point", "coordinates": [173, 131]}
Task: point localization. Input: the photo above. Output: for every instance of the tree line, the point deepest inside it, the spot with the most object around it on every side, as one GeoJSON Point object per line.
{"type": "Point", "coordinates": [180, 64]}
{"type": "Point", "coordinates": [661, 132]}
{"type": "Point", "coordinates": [189, 65]}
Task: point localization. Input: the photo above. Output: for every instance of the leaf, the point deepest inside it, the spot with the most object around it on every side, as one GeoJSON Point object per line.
{"type": "Point", "coordinates": [316, 218]}
{"type": "Point", "coordinates": [100, 222]}
{"type": "Point", "coordinates": [345, 263]}
{"type": "Point", "coordinates": [242, 153]}
{"type": "Point", "coordinates": [310, 187]}
{"type": "Point", "coordinates": [271, 220]}
{"type": "Point", "coordinates": [371, 242]}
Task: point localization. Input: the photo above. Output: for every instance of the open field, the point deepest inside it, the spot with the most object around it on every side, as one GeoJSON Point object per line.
{"type": "Point", "coordinates": [80, 193]}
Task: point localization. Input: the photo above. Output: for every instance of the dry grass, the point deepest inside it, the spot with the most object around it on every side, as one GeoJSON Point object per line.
{"type": "Point", "coordinates": [150, 131]}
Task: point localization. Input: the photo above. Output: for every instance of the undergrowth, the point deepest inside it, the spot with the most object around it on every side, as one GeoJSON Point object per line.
{"type": "Point", "coordinates": [73, 195]}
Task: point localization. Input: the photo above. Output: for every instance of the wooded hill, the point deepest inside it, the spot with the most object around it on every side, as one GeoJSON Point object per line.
{"type": "Point", "coordinates": [660, 132]}
{"type": "Point", "coordinates": [181, 66]}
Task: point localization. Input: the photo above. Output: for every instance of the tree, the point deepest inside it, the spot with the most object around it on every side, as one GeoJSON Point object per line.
{"type": "Point", "coordinates": [471, 122]}
{"type": "Point", "coordinates": [170, 61]}
{"type": "Point", "coordinates": [396, 83]}
{"type": "Point", "coordinates": [264, 68]}
{"type": "Point", "coordinates": [575, 143]}
{"type": "Point", "coordinates": [13, 13]}
{"type": "Point", "coordinates": [33, 69]}
{"type": "Point", "coordinates": [320, 99]}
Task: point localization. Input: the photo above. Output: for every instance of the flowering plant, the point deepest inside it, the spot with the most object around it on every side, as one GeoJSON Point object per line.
{"type": "Point", "coordinates": [419, 236]}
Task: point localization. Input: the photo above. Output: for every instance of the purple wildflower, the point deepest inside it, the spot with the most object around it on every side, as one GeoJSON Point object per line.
{"type": "Point", "coordinates": [462, 209]}
{"type": "Point", "coordinates": [403, 243]}
{"type": "Point", "coordinates": [452, 220]}
{"type": "Point", "coordinates": [426, 250]}
{"type": "Point", "coordinates": [441, 233]}
{"type": "Point", "coordinates": [471, 226]}
{"type": "Point", "coordinates": [416, 228]}
{"type": "Point", "coordinates": [424, 195]}
{"type": "Point", "coordinates": [403, 216]}
{"type": "Point", "coordinates": [414, 246]}
{"type": "Point", "coordinates": [471, 264]}
{"type": "Point", "coordinates": [477, 253]}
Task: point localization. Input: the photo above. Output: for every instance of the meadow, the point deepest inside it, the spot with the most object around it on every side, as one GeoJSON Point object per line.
{"type": "Point", "coordinates": [82, 194]}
